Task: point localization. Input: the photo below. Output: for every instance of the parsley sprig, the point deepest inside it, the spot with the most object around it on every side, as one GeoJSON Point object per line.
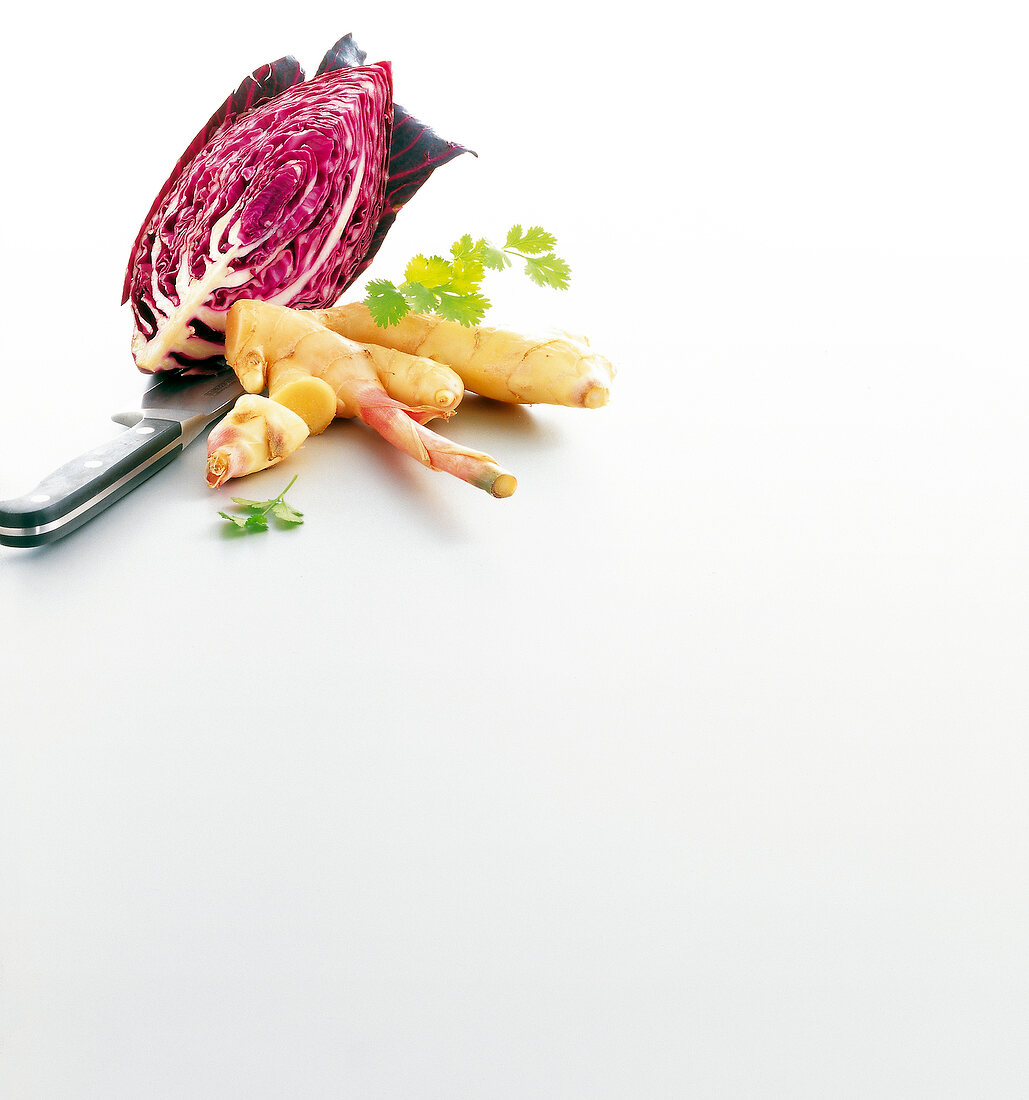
{"type": "Point", "coordinates": [256, 512]}
{"type": "Point", "coordinates": [451, 286]}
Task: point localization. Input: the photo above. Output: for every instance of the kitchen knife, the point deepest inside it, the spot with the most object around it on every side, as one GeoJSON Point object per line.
{"type": "Point", "coordinates": [175, 410]}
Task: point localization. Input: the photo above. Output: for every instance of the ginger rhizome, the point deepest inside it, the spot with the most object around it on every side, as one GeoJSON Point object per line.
{"type": "Point", "coordinates": [494, 363]}
{"type": "Point", "coordinates": [416, 380]}
{"type": "Point", "coordinates": [256, 433]}
{"type": "Point", "coordinates": [320, 374]}
{"type": "Point", "coordinates": [263, 345]}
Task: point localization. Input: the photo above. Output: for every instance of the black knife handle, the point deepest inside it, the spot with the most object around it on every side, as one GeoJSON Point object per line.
{"type": "Point", "coordinates": [78, 490]}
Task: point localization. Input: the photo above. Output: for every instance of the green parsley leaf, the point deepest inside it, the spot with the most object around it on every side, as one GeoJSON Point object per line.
{"type": "Point", "coordinates": [549, 270]}
{"type": "Point", "coordinates": [419, 298]}
{"type": "Point", "coordinates": [465, 248]}
{"type": "Point", "coordinates": [466, 309]}
{"type": "Point", "coordinates": [385, 303]}
{"type": "Point", "coordinates": [431, 272]}
{"type": "Point", "coordinates": [254, 522]}
{"type": "Point", "coordinates": [239, 521]}
{"type": "Point", "coordinates": [286, 512]}
{"type": "Point", "coordinates": [534, 241]}
{"type": "Point", "coordinates": [259, 510]}
{"type": "Point", "coordinates": [467, 275]}
{"type": "Point", "coordinates": [493, 258]}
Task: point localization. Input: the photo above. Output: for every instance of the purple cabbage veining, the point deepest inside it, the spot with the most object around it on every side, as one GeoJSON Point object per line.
{"type": "Point", "coordinates": [285, 195]}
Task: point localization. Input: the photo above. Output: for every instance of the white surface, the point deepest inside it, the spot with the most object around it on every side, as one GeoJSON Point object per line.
{"type": "Point", "coordinates": [697, 768]}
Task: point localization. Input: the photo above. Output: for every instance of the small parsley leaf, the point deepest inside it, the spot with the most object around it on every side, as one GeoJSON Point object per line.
{"type": "Point", "coordinates": [535, 241]}
{"type": "Point", "coordinates": [286, 512]}
{"type": "Point", "coordinates": [431, 272]}
{"type": "Point", "coordinates": [259, 510]}
{"type": "Point", "coordinates": [465, 248]}
{"type": "Point", "coordinates": [466, 309]}
{"type": "Point", "coordinates": [494, 258]}
{"type": "Point", "coordinates": [239, 521]}
{"type": "Point", "coordinates": [466, 276]}
{"type": "Point", "coordinates": [419, 298]}
{"type": "Point", "coordinates": [549, 270]}
{"type": "Point", "coordinates": [385, 303]}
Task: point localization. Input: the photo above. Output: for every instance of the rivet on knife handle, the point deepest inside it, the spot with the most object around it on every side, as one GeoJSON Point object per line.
{"type": "Point", "coordinates": [76, 491]}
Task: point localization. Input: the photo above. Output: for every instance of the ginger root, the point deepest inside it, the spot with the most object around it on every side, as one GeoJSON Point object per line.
{"type": "Point", "coordinates": [416, 380]}
{"type": "Point", "coordinates": [319, 374]}
{"type": "Point", "coordinates": [504, 366]}
{"type": "Point", "coordinates": [256, 433]}
{"type": "Point", "coordinates": [429, 388]}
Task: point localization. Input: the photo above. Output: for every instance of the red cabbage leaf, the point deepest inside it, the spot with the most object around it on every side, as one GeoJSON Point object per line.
{"type": "Point", "coordinates": [415, 151]}
{"type": "Point", "coordinates": [285, 195]}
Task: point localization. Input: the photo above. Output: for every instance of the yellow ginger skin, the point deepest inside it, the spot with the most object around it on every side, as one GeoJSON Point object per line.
{"type": "Point", "coordinates": [277, 348]}
{"type": "Point", "coordinates": [431, 388]}
{"type": "Point", "coordinates": [416, 380]}
{"type": "Point", "coordinates": [504, 366]}
{"type": "Point", "coordinates": [256, 433]}
{"type": "Point", "coordinates": [310, 368]}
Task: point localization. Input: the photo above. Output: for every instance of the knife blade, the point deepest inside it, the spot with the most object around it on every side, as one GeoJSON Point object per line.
{"type": "Point", "coordinates": [173, 412]}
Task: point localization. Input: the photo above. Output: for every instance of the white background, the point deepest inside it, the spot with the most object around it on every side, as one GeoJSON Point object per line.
{"type": "Point", "coordinates": [695, 769]}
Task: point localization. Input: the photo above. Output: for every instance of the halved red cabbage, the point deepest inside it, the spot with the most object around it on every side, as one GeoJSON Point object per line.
{"type": "Point", "coordinates": [285, 195]}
